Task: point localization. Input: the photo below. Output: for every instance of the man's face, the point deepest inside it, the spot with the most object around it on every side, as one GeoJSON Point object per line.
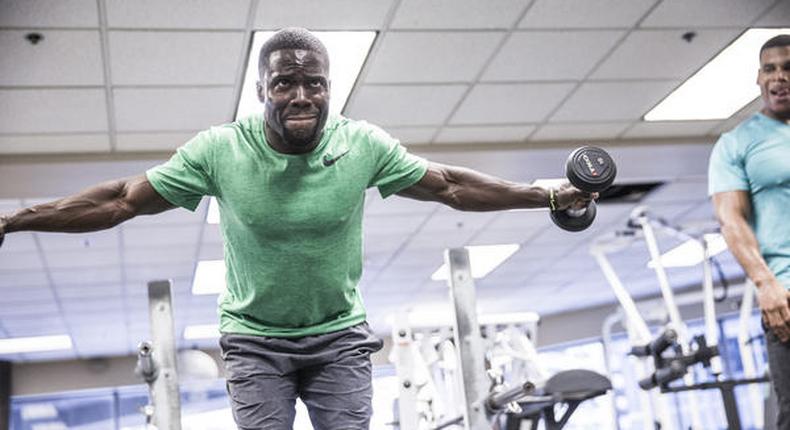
{"type": "Point", "coordinates": [774, 81]}
{"type": "Point", "coordinates": [295, 93]}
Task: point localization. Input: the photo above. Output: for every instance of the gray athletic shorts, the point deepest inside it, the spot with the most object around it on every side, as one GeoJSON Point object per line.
{"type": "Point", "coordinates": [331, 373]}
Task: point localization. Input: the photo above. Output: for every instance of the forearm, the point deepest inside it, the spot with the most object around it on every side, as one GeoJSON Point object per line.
{"type": "Point", "coordinates": [96, 208]}
{"type": "Point", "coordinates": [469, 190]}
{"type": "Point", "coordinates": [744, 246]}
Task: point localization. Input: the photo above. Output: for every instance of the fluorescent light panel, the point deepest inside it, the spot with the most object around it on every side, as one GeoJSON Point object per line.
{"type": "Point", "coordinates": [213, 211]}
{"type": "Point", "coordinates": [483, 260]}
{"type": "Point", "coordinates": [18, 345]}
{"type": "Point", "coordinates": [201, 331]}
{"type": "Point", "coordinates": [721, 87]}
{"type": "Point", "coordinates": [347, 53]}
{"type": "Point", "coordinates": [690, 252]}
{"type": "Point", "coordinates": [209, 277]}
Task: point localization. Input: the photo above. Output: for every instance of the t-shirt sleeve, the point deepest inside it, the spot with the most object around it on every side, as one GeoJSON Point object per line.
{"type": "Point", "coordinates": [726, 169]}
{"type": "Point", "coordinates": [186, 177]}
{"type": "Point", "coordinates": [395, 168]}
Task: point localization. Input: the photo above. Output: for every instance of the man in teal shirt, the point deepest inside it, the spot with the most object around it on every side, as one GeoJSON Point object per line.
{"type": "Point", "coordinates": [749, 179]}
{"type": "Point", "coordinates": [290, 184]}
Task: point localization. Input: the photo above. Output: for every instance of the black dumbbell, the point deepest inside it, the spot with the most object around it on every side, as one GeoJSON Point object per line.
{"type": "Point", "coordinates": [589, 169]}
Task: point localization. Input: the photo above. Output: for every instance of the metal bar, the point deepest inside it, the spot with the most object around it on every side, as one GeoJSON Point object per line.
{"type": "Point", "coordinates": [467, 338]}
{"type": "Point", "coordinates": [5, 394]}
{"type": "Point", "coordinates": [404, 366]}
{"type": "Point", "coordinates": [164, 390]}
{"type": "Point", "coordinates": [730, 407]}
{"type": "Point", "coordinates": [709, 307]}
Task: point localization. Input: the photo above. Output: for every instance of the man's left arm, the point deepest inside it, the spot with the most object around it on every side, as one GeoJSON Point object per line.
{"type": "Point", "coordinates": [468, 190]}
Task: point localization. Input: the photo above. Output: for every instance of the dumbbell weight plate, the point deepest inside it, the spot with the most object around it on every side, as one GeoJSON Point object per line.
{"type": "Point", "coordinates": [567, 219]}
{"type": "Point", "coordinates": [590, 169]}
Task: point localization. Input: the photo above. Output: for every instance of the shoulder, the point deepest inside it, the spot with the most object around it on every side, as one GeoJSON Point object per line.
{"type": "Point", "coordinates": [741, 138]}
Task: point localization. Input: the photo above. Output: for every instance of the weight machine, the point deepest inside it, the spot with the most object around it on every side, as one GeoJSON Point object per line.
{"type": "Point", "coordinates": [475, 374]}
{"type": "Point", "coordinates": [674, 339]}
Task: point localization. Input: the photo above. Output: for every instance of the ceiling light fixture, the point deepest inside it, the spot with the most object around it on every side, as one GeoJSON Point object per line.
{"type": "Point", "coordinates": [201, 331]}
{"type": "Point", "coordinates": [347, 53]}
{"type": "Point", "coordinates": [482, 258]}
{"type": "Point", "coordinates": [16, 345]}
{"type": "Point", "coordinates": [723, 86]}
{"type": "Point", "coordinates": [690, 252]}
{"type": "Point", "coordinates": [209, 277]}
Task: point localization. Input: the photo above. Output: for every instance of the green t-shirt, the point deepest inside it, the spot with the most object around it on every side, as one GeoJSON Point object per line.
{"type": "Point", "coordinates": [292, 223]}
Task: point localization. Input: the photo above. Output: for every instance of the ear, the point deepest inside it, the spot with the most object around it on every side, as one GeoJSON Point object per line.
{"type": "Point", "coordinates": [260, 90]}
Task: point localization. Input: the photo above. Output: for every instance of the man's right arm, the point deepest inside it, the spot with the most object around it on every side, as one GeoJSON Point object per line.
{"type": "Point", "coordinates": [733, 209]}
{"type": "Point", "coordinates": [97, 208]}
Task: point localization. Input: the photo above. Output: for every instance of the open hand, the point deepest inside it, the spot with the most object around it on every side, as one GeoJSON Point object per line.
{"type": "Point", "coordinates": [570, 197]}
{"type": "Point", "coordinates": [774, 301]}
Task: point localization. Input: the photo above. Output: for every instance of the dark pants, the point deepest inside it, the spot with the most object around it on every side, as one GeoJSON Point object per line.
{"type": "Point", "coordinates": [331, 373]}
{"type": "Point", "coordinates": [779, 367]}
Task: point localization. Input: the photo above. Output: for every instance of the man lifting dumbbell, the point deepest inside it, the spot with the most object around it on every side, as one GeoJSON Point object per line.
{"type": "Point", "coordinates": [292, 321]}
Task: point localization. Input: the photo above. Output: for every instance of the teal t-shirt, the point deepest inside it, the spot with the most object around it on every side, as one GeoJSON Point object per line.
{"type": "Point", "coordinates": [755, 157]}
{"type": "Point", "coordinates": [292, 223]}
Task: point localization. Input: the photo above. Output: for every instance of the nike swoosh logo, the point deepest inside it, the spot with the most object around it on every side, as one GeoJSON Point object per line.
{"type": "Point", "coordinates": [329, 160]}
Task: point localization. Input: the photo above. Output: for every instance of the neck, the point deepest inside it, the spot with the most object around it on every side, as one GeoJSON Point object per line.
{"type": "Point", "coordinates": [278, 143]}
{"type": "Point", "coordinates": [781, 117]}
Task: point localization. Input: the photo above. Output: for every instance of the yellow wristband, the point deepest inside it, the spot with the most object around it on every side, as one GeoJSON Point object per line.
{"type": "Point", "coordinates": [552, 202]}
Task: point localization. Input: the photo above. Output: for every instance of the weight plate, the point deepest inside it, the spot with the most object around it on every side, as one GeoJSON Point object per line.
{"type": "Point", "coordinates": [590, 169]}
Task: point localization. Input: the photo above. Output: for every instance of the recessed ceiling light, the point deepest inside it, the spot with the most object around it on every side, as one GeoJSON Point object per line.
{"type": "Point", "coordinates": [690, 252]}
{"type": "Point", "coordinates": [347, 53]}
{"type": "Point", "coordinates": [17, 345]}
{"type": "Point", "coordinates": [213, 211]}
{"type": "Point", "coordinates": [482, 258]}
{"type": "Point", "coordinates": [201, 331]}
{"type": "Point", "coordinates": [723, 86]}
{"type": "Point", "coordinates": [209, 277]}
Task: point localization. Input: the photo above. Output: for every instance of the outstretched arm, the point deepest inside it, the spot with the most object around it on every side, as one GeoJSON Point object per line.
{"type": "Point", "coordinates": [733, 209]}
{"type": "Point", "coordinates": [468, 190]}
{"type": "Point", "coordinates": [97, 208]}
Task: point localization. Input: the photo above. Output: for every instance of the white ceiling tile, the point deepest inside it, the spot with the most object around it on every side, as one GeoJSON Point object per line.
{"type": "Point", "coordinates": [42, 307]}
{"type": "Point", "coordinates": [164, 235]}
{"type": "Point", "coordinates": [53, 110]}
{"type": "Point", "coordinates": [18, 241]}
{"type": "Point", "coordinates": [93, 305]}
{"type": "Point", "coordinates": [778, 16]}
{"type": "Point", "coordinates": [107, 239]}
{"type": "Point", "coordinates": [585, 13]}
{"type": "Point", "coordinates": [431, 56]}
{"type": "Point", "coordinates": [49, 13]}
{"type": "Point", "coordinates": [501, 133]}
{"type": "Point", "coordinates": [460, 14]}
{"type": "Point", "coordinates": [16, 278]}
{"type": "Point", "coordinates": [211, 252]}
{"type": "Point", "coordinates": [163, 109]}
{"type": "Point", "coordinates": [84, 258]}
{"type": "Point", "coordinates": [510, 103]}
{"type": "Point", "coordinates": [174, 58]}
{"type": "Point", "coordinates": [76, 53]}
{"type": "Point", "coordinates": [581, 131]}
{"type": "Point", "coordinates": [441, 240]}
{"type": "Point", "coordinates": [177, 14]}
{"type": "Point", "coordinates": [670, 57]}
{"type": "Point", "coordinates": [140, 275]}
{"type": "Point", "coordinates": [412, 135]}
{"type": "Point", "coordinates": [612, 101]}
{"type": "Point", "coordinates": [396, 205]}
{"type": "Point", "coordinates": [103, 275]}
{"type": "Point", "coordinates": [174, 216]}
{"type": "Point", "coordinates": [342, 15]}
{"type": "Point", "coordinates": [679, 191]}
{"type": "Point", "coordinates": [55, 144]}
{"type": "Point", "coordinates": [705, 13]}
{"type": "Point", "coordinates": [21, 261]}
{"type": "Point", "coordinates": [581, 50]}
{"type": "Point", "coordinates": [159, 255]}
{"type": "Point", "coordinates": [89, 291]}
{"type": "Point", "coordinates": [670, 129]}
{"type": "Point", "coordinates": [392, 224]}
{"type": "Point", "coordinates": [405, 104]}
{"type": "Point", "coordinates": [151, 141]}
